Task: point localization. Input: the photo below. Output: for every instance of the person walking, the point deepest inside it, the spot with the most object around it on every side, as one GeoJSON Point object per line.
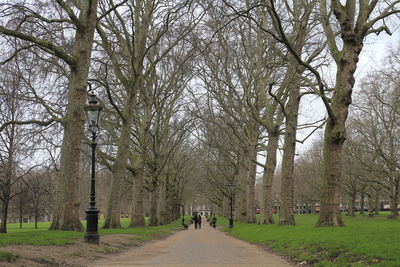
{"type": "Point", "coordinates": [199, 220]}
{"type": "Point", "coordinates": [195, 219]}
{"type": "Point", "coordinates": [214, 221]}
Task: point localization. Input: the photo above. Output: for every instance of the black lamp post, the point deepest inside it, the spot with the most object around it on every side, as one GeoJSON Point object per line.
{"type": "Point", "coordinates": [231, 190]}
{"type": "Point", "coordinates": [93, 110]}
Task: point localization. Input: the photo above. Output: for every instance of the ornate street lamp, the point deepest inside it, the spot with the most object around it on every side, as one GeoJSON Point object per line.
{"type": "Point", "coordinates": [231, 187]}
{"type": "Point", "coordinates": [93, 110]}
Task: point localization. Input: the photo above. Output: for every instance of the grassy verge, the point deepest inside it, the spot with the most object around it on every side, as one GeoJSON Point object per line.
{"type": "Point", "coordinates": [364, 241]}
{"type": "Point", "coordinates": [42, 236]}
{"type": "Point", "coordinates": [7, 256]}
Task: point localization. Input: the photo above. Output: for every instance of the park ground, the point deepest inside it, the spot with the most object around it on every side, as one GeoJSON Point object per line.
{"type": "Point", "coordinates": [363, 241]}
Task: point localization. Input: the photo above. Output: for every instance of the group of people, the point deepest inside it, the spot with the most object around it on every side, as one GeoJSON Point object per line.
{"type": "Point", "coordinates": [197, 217]}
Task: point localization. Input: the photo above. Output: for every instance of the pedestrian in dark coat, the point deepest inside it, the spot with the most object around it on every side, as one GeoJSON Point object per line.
{"type": "Point", "coordinates": [195, 221]}
{"type": "Point", "coordinates": [214, 220]}
{"type": "Point", "coordinates": [199, 220]}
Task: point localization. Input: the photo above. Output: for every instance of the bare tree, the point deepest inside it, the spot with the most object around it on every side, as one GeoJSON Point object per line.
{"type": "Point", "coordinates": [16, 142]}
{"type": "Point", "coordinates": [82, 16]}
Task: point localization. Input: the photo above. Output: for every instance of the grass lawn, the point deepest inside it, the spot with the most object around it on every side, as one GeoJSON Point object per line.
{"type": "Point", "coordinates": [363, 241]}
{"type": "Point", "coordinates": [42, 236]}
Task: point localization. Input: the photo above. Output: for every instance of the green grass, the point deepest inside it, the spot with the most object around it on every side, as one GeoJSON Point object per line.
{"type": "Point", "coordinates": [42, 236]}
{"type": "Point", "coordinates": [363, 241]}
{"type": "Point", "coordinates": [7, 256]}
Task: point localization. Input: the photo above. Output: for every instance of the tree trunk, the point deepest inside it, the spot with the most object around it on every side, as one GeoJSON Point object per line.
{"type": "Point", "coordinates": [137, 215]}
{"type": "Point", "coordinates": [251, 205]}
{"type": "Point", "coordinates": [376, 201]}
{"type": "Point", "coordinates": [286, 216]}
{"type": "Point", "coordinates": [162, 204]}
{"type": "Point", "coordinates": [66, 215]}
{"type": "Point", "coordinates": [4, 216]}
{"type": "Point", "coordinates": [119, 169]}
{"type": "Point", "coordinates": [394, 202]}
{"type": "Point", "coordinates": [352, 204]}
{"type": "Point", "coordinates": [154, 219]}
{"type": "Point", "coordinates": [371, 206]}
{"type": "Point", "coordinates": [362, 203]}
{"type": "Point", "coordinates": [268, 176]}
{"type": "Point", "coordinates": [335, 135]}
{"type": "Point", "coordinates": [21, 215]}
{"type": "Point", "coordinates": [352, 35]}
{"type": "Point", "coordinates": [241, 203]}
{"type": "Point", "coordinates": [329, 214]}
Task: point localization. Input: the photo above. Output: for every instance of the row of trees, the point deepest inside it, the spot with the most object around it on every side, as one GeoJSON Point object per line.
{"type": "Point", "coordinates": [140, 58]}
{"type": "Point", "coordinates": [255, 76]}
{"type": "Point", "coordinates": [193, 90]}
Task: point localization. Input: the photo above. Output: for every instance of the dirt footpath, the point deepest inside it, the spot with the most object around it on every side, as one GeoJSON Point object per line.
{"type": "Point", "coordinates": [197, 247]}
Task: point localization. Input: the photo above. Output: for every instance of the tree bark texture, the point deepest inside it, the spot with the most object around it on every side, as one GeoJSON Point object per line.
{"type": "Point", "coordinates": [66, 215]}
{"type": "Point", "coordinates": [251, 205]}
{"type": "Point", "coordinates": [241, 195]}
{"type": "Point", "coordinates": [362, 203]}
{"type": "Point", "coordinates": [286, 216]}
{"type": "Point", "coordinates": [137, 219]}
{"type": "Point", "coordinates": [394, 201]}
{"type": "Point", "coordinates": [352, 205]}
{"type": "Point", "coordinates": [112, 219]}
{"type": "Point", "coordinates": [162, 203]}
{"type": "Point", "coordinates": [154, 220]}
{"type": "Point", "coordinates": [335, 135]}
{"type": "Point", "coordinates": [4, 215]}
{"type": "Point", "coordinates": [137, 213]}
{"type": "Point", "coordinates": [268, 176]}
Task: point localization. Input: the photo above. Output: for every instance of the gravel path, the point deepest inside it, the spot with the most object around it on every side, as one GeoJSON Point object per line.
{"type": "Point", "coordinates": [197, 247]}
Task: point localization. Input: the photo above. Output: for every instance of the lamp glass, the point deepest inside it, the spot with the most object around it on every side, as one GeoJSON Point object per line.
{"type": "Point", "coordinates": [231, 187]}
{"type": "Point", "coordinates": [93, 110]}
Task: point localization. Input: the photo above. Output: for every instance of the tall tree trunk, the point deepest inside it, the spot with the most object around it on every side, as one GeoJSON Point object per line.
{"type": "Point", "coordinates": [21, 215]}
{"type": "Point", "coordinates": [66, 215]}
{"type": "Point", "coordinates": [154, 219]}
{"type": "Point", "coordinates": [162, 203]}
{"type": "Point", "coordinates": [251, 205]}
{"type": "Point", "coordinates": [334, 137]}
{"type": "Point", "coordinates": [371, 206]}
{"type": "Point", "coordinates": [394, 201]}
{"type": "Point", "coordinates": [329, 214]}
{"type": "Point", "coordinates": [4, 216]}
{"type": "Point", "coordinates": [226, 206]}
{"type": "Point", "coordinates": [352, 204]}
{"type": "Point", "coordinates": [268, 176]}
{"type": "Point", "coordinates": [286, 216]}
{"type": "Point", "coordinates": [362, 203]}
{"type": "Point", "coordinates": [376, 202]}
{"type": "Point", "coordinates": [241, 197]}
{"type": "Point", "coordinates": [112, 219]}
{"type": "Point", "coordinates": [137, 217]}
